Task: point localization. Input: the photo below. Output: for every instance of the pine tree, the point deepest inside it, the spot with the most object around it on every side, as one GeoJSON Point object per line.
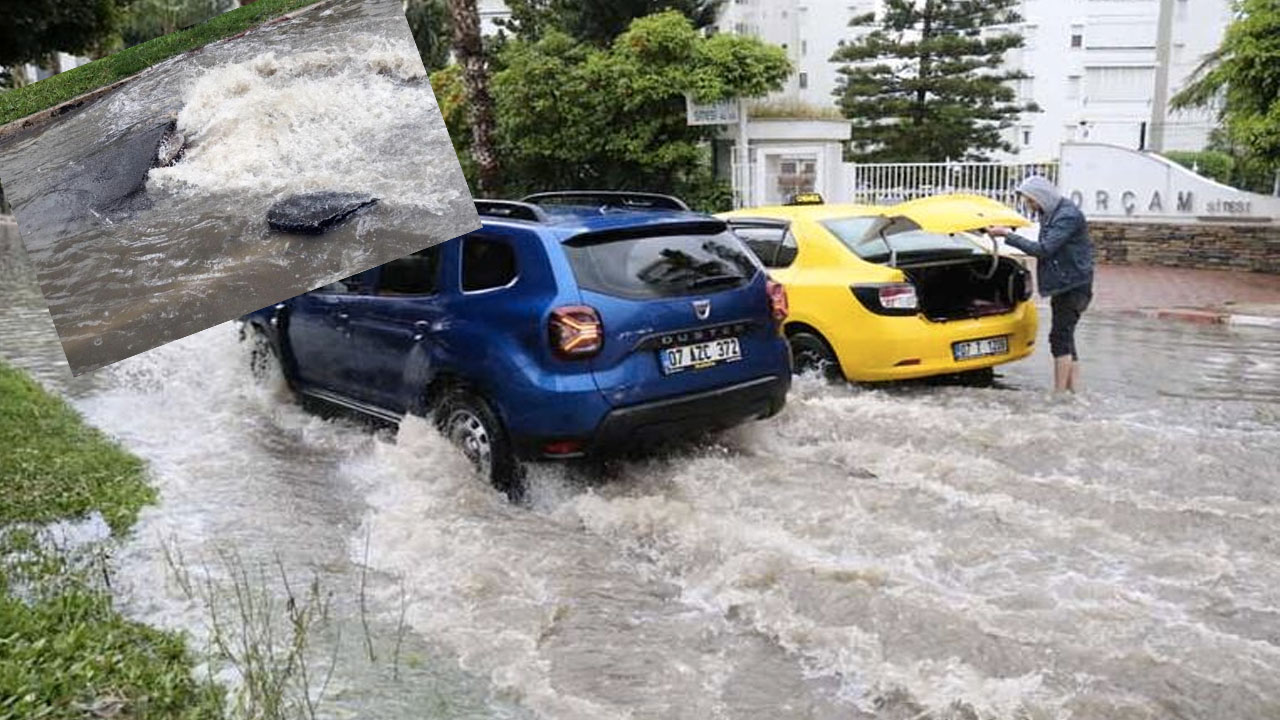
{"type": "Point", "coordinates": [923, 82]}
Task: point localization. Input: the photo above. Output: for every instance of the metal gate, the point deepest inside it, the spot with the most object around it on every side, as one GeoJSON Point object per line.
{"type": "Point", "coordinates": [889, 183]}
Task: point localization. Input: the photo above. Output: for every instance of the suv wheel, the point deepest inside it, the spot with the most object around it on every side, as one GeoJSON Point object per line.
{"type": "Point", "coordinates": [470, 424]}
{"type": "Point", "coordinates": [810, 352]}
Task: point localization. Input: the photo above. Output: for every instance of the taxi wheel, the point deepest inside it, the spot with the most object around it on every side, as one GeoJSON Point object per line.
{"type": "Point", "coordinates": [980, 378]}
{"type": "Point", "coordinates": [811, 353]}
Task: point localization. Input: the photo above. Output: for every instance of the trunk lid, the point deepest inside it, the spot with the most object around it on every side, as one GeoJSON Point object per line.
{"type": "Point", "coordinates": [957, 213]}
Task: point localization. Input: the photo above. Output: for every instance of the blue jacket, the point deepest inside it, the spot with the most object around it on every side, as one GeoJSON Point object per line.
{"type": "Point", "coordinates": [1064, 254]}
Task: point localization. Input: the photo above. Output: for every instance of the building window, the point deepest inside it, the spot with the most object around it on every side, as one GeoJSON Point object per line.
{"type": "Point", "coordinates": [1026, 136]}
{"type": "Point", "coordinates": [1120, 83]}
{"type": "Point", "coordinates": [1077, 40]}
{"type": "Point", "coordinates": [804, 80]}
{"type": "Point", "coordinates": [1073, 87]}
{"type": "Point", "coordinates": [804, 47]}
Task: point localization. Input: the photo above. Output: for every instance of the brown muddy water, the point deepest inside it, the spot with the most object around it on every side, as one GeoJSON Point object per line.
{"type": "Point", "coordinates": [131, 257]}
{"type": "Point", "coordinates": [910, 553]}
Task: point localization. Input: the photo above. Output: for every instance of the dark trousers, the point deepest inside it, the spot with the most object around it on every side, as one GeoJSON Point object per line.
{"type": "Point", "coordinates": [1067, 307]}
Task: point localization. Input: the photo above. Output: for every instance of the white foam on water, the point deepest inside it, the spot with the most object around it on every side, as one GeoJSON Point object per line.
{"type": "Point", "coordinates": [359, 117]}
{"type": "Point", "coordinates": [957, 554]}
{"type": "Point", "coordinates": [474, 585]}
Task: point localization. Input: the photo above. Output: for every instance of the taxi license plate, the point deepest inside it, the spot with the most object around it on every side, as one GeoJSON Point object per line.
{"type": "Point", "coordinates": [701, 355]}
{"type": "Point", "coordinates": [984, 347]}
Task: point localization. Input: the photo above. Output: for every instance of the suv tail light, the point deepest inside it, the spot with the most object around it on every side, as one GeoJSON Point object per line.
{"type": "Point", "coordinates": [777, 300]}
{"type": "Point", "coordinates": [575, 332]}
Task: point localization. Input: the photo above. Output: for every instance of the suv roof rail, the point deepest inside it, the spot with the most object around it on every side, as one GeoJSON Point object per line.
{"type": "Point", "coordinates": [625, 199]}
{"type": "Point", "coordinates": [511, 209]}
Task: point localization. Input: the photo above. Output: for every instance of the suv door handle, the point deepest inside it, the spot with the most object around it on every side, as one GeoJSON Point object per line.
{"type": "Point", "coordinates": [344, 316]}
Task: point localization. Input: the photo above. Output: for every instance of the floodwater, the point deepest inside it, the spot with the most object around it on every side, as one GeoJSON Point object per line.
{"type": "Point", "coordinates": [131, 257]}
{"type": "Point", "coordinates": [921, 552]}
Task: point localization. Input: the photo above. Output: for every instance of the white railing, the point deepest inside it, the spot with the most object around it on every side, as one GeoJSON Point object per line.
{"type": "Point", "coordinates": [889, 183]}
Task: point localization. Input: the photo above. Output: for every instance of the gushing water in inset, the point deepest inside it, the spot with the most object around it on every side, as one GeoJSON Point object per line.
{"type": "Point", "coordinates": [130, 257]}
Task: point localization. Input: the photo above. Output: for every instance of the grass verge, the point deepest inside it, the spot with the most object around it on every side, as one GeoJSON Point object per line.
{"type": "Point", "coordinates": [55, 467]}
{"type": "Point", "coordinates": [65, 652]}
{"type": "Point", "coordinates": [17, 104]}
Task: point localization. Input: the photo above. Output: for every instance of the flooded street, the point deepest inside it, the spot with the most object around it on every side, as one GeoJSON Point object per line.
{"type": "Point", "coordinates": [918, 552]}
{"type": "Point", "coordinates": [130, 256]}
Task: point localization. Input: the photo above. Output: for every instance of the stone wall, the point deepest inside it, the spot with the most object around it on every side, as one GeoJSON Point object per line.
{"type": "Point", "coordinates": [1219, 246]}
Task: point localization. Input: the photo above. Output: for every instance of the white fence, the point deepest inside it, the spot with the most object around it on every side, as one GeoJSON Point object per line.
{"type": "Point", "coordinates": [889, 183]}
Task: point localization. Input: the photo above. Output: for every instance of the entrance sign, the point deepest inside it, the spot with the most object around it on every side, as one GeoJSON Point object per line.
{"type": "Point", "coordinates": [1108, 181]}
{"type": "Point", "coordinates": [724, 112]}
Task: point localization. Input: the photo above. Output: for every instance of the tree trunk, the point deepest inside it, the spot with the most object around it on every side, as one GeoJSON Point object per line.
{"type": "Point", "coordinates": [926, 65]}
{"type": "Point", "coordinates": [469, 50]}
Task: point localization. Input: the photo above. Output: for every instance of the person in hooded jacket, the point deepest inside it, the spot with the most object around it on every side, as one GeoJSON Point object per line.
{"type": "Point", "coordinates": [1064, 270]}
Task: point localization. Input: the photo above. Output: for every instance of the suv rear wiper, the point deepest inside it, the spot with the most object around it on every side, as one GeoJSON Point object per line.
{"type": "Point", "coordinates": [716, 280]}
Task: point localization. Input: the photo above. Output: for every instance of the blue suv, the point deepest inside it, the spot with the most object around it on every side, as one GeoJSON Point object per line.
{"type": "Point", "coordinates": [570, 325]}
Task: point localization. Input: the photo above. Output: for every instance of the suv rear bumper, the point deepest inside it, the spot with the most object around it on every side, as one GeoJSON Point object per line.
{"type": "Point", "coordinates": [680, 418]}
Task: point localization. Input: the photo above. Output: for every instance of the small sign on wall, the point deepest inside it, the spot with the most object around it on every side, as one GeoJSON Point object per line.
{"type": "Point", "coordinates": [724, 112]}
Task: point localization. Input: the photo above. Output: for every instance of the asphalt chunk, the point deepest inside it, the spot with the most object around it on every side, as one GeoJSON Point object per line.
{"type": "Point", "coordinates": [314, 213]}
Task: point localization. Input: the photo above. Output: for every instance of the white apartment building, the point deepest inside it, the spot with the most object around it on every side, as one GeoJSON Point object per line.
{"type": "Point", "coordinates": [1094, 64]}
{"type": "Point", "coordinates": [809, 30]}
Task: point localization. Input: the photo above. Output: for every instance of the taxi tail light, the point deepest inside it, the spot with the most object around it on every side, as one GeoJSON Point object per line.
{"type": "Point", "coordinates": [575, 332]}
{"type": "Point", "coordinates": [899, 296]}
{"type": "Point", "coordinates": [777, 301]}
{"type": "Point", "coordinates": [888, 298]}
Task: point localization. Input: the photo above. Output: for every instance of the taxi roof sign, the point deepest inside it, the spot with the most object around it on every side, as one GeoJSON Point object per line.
{"type": "Point", "coordinates": [806, 198]}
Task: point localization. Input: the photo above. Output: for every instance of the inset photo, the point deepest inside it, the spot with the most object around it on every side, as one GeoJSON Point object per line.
{"type": "Point", "coordinates": [275, 158]}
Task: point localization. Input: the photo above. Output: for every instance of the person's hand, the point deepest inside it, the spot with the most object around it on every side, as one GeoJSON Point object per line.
{"type": "Point", "coordinates": [998, 230]}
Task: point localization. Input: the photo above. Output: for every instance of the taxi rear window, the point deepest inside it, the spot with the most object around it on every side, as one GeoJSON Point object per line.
{"type": "Point", "coordinates": [857, 234]}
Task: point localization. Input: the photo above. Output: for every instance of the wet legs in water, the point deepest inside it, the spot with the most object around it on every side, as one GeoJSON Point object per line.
{"type": "Point", "coordinates": [1067, 308]}
{"type": "Point", "coordinates": [1066, 374]}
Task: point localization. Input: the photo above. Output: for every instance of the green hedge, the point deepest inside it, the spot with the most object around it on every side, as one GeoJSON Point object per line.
{"type": "Point", "coordinates": [24, 101]}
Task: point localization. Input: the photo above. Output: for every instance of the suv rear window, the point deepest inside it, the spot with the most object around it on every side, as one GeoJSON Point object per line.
{"type": "Point", "coordinates": [662, 265]}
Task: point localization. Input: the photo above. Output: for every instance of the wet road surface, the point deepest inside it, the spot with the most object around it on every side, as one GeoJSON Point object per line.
{"type": "Point", "coordinates": [915, 552]}
{"type": "Point", "coordinates": [130, 257]}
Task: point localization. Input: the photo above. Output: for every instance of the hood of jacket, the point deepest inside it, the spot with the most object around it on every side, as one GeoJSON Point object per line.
{"type": "Point", "coordinates": [1043, 192]}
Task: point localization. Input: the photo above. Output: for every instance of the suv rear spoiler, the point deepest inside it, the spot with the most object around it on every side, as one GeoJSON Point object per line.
{"type": "Point", "coordinates": [625, 199]}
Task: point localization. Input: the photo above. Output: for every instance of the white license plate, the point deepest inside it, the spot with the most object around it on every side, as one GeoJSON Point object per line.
{"type": "Point", "coordinates": [980, 348]}
{"type": "Point", "coordinates": [699, 356]}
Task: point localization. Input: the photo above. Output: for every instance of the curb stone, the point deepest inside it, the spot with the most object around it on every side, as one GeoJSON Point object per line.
{"type": "Point", "coordinates": [1207, 317]}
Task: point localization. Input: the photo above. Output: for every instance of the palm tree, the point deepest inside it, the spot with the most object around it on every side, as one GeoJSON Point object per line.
{"type": "Point", "coordinates": [468, 48]}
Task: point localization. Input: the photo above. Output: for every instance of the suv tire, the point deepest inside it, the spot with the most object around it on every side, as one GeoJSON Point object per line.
{"type": "Point", "coordinates": [467, 421]}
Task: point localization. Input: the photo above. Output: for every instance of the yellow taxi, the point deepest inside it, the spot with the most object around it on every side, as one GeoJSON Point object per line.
{"type": "Point", "coordinates": [895, 292]}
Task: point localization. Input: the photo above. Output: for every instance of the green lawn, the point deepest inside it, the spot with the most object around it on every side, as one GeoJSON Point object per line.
{"type": "Point", "coordinates": [64, 650]}
{"type": "Point", "coordinates": [55, 467]}
{"type": "Point", "coordinates": [17, 104]}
